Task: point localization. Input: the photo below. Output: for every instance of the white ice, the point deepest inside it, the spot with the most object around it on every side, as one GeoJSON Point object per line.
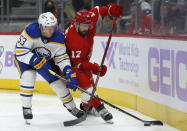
{"type": "Point", "coordinates": [49, 115]}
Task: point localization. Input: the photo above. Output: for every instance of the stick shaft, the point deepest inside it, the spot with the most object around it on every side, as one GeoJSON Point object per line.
{"type": "Point", "coordinates": [102, 62]}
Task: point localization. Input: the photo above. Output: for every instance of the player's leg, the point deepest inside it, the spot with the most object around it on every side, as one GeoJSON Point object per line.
{"type": "Point", "coordinates": [60, 89]}
{"type": "Point", "coordinates": [27, 81]}
{"type": "Point", "coordinates": [65, 96]}
{"type": "Point", "coordinates": [98, 106]}
{"type": "Point", "coordinates": [86, 82]}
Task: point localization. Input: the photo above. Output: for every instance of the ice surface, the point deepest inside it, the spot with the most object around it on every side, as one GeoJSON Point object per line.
{"type": "Point", "coordinates": [49, 115]}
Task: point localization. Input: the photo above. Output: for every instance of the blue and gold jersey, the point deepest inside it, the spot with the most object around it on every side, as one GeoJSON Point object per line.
{"type": "Point", "coordinates": [31, 41]}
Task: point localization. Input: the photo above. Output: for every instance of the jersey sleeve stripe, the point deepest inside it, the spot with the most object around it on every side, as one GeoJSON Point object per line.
{"type": "Point", "coordinates": [31, 37]}
{"type": "Point", "coordinates": [21, 54]}
{"type": "Point", "coordinates": [58, 59]}
{"type": "Point", "coordinates": [17, 47]}
{"type": "Point", "coordinates": [63, 60]}
{"type": "Point", "coordinates": [60, 55]}
{"type": "Point", "coordinates": [21, 51]}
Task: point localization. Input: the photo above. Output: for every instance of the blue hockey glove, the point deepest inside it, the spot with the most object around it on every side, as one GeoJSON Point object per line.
{"type": "Point", "coordinates": [37, 62]}
{"type": "Point", "coordinates": [70, 76]}
{"type": "Point", "coordinates": [42, 67]}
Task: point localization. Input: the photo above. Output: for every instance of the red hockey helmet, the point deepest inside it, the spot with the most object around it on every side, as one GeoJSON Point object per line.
{"type": "Point", "coordinates": [83, 16]}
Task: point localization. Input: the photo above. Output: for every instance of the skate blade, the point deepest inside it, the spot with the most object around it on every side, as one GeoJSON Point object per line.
{"type": "Point", "coordinates": [27, 121]}
{"type": "Point", "coordinates": [109, 122]}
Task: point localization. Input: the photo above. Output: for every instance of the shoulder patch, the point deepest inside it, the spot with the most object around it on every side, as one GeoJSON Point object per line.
{"type": "Point", "coordinates": [57, 38]}
{"type": "Point", "coordinates": [32, 31]}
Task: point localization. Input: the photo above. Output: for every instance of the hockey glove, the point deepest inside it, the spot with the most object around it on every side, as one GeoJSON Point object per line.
{"type": "Point", "coordinates": [115, 10]}
{"type": "Point", "coordinates": [104, 70]}
{"type": "Point", "coordinates": [94, 67]}
{"type": "Point", "coordinates": [42, 67]}
{"type": "Point", "coordinates": [37, 62]}
{"type": "Point", "coordinates": [70, 76]}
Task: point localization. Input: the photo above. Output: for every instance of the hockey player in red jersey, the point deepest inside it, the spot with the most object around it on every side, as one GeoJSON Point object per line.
{"type": "Point", "coordinates": [79, 43]}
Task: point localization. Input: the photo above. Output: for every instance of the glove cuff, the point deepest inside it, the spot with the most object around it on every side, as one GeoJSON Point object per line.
{"type": "Point", "coordinates": [40, 64]}
{"type": "Point", "coordinates": [31, 61]}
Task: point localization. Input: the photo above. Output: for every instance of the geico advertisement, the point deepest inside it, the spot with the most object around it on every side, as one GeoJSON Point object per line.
{"type": "Point", "coordinates": [155, 69]}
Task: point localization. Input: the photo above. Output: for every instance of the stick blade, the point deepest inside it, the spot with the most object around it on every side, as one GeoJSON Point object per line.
{"type": "Point", "coordinates": [75, 122]}
{"type": "Point", "coordinates": [149, 123]}
{"type": "Point", "coordinates": [156, 123]}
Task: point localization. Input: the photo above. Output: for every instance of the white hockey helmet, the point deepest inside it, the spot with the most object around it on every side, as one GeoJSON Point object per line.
{"type": "Point", "coordinates": [47, 19]}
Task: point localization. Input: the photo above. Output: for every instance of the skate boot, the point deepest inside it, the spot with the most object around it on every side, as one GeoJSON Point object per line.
{"type": "Point", "coordinates": [76, 112]}
{"type": "Point", "coordinates": [27, 114]}
{"type": "Point", "coordinates": [105, 114]}
{"type": "Point", "coordinates": [91, 111]}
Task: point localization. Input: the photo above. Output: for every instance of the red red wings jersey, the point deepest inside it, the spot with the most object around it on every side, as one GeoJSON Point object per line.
{"type": "Point", "coordinates": [78, 47]}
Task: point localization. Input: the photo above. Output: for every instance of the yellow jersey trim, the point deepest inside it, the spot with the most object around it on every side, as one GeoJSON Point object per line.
{"type": "Point", "coordinates": [20, 51]}
{"type": "Point", "coordinates": [66, 56]}
{"type": "Point", "coordinates": [16, 62]}
{"type": "Point", "coordinates": [56, 43]}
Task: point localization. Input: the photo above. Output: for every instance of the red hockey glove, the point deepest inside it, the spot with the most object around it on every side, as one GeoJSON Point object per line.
{"type": "Point", "coordinates": [94, 67]}
{"type": "Point", "coordinates": [103, 71]}
{"type": "Point", "coordinates": [115, 10]}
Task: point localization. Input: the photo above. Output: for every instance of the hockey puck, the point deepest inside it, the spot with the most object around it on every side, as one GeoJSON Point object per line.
{"type": "Point", "coordinates": [147, 124]}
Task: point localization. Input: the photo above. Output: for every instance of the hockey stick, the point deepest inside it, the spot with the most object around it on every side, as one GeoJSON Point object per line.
{"type": "Point", "coordinates": [146, 123]}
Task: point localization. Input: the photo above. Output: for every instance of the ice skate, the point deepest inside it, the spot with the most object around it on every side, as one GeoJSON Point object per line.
{"type": "Point", "coordinates": [27, 115]}
{"type": "Point", "coordinates": [105, 114]}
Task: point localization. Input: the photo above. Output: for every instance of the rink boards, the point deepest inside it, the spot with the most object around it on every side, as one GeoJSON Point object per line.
{"type": "Point", "coordinates": [145, 74]}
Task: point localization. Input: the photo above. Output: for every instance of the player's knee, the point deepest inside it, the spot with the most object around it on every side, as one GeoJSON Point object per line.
{"type": "Point", "coordinates": [28, 78]}
{"type": "Point", "coordinates": [59, 87]}
{"type": "Point", "coordinates": [85, 97]}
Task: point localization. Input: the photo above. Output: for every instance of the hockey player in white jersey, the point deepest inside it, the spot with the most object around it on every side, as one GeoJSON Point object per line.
{"type": "Point", "coordinates": [41, 47]}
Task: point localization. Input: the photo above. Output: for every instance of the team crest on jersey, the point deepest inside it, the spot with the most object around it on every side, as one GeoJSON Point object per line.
{"type": "Point", "coordinates": [42, 52]}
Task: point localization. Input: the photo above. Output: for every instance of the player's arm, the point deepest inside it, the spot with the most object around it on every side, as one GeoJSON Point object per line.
{"type": "Point", "coordinates": [99, 12]}
{"type": "Point", "coordinates": [23, 48]}
{"type": "Point", "coordinates": [62, 59]}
